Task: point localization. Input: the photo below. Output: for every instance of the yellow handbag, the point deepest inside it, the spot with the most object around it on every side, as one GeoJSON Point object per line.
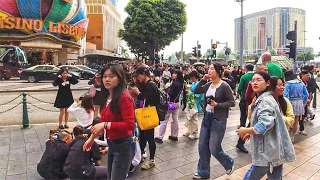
{"type": "Point", "coordinates": [147, 117]}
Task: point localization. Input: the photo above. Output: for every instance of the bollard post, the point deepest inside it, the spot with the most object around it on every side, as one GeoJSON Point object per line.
{"type": "Point", "coordinates": [25, 118]}
{"type": "Point", "coordinates": [314, 103]}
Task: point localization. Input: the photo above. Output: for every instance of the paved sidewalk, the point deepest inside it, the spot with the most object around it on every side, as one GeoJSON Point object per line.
{"type": "Point", "coordinates": [21, 150]}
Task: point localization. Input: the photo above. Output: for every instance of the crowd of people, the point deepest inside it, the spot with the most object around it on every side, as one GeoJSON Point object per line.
{"type": "Point", "coordinates": [274, 103]}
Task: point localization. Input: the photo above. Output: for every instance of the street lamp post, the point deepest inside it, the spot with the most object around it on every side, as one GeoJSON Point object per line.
{"type": "Point", "coordinates": [241, 33]}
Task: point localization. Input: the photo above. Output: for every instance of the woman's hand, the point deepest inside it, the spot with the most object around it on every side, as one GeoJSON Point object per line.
{"type": "Point", "coordinates": [88, 144]}
{"type": "Point", "coordinates": [246, 137]}
{"type": "Point", "coordinates": [213, 103]}
{"type": "Point", "coordinates": [105, 151]}
{"type": "Point", "coordinates": [206, 77]}
{"type": "Point", "coordinates": [242, 132]}
{"type": "Point", "coordinates": [134, 91]}
{"type": "Point", "coordinates": [96, 129]}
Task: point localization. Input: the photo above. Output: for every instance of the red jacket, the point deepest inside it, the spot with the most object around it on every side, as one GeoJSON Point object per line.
{"type": "Point", "coordinates": [122, 124]}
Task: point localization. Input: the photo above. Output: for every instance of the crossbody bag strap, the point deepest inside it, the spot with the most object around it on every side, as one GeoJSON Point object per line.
{"type": "Point", "coordinates": [178, 95]}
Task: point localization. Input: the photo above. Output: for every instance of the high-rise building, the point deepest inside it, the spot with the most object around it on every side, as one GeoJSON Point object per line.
{"type": "Point", "coordinates": [268, 29]}
{"type": "Point", "coordinates": [104, 24]}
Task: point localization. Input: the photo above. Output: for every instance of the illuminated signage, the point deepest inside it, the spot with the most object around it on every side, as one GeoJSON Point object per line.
{"type": "Point", "coordinates": [38, 25]}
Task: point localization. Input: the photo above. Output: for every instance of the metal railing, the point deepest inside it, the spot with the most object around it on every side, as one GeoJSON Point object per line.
{"type": "Point", "coordinates": [25, 103]}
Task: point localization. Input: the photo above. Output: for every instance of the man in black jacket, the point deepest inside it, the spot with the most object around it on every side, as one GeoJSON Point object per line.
{"type": "Point", "coordinates": [150, 95]}
{"type": "Point", "coordinates": [54, 157]}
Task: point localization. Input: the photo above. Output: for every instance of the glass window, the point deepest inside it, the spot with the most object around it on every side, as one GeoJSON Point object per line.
{"type": "Point", "coordinates": [74, 69]}
{"type": "Point", "coordinates": [49, 68]}
{"type": "Point", "coordinates": [40, 68]}
{"type": "Point", "coordinates": [99, 10]}
{"type": "Point", "coordinates": [56, 69]}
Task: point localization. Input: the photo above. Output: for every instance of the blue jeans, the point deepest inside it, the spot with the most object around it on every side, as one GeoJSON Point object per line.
{"type": "Point", "coordinates": [257, 172]}
{"type": "Point", "coordinates": [120, 156]}
{"type": "Point", "coordinates": [211, 135]}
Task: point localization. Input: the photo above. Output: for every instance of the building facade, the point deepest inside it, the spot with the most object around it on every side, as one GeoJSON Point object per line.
{"type": "Point", "coordinates": [268, 29]}
{"type": "Point", "coordinates": [48, 31]}
{"type": "Point", "coordinates": [105, 22]}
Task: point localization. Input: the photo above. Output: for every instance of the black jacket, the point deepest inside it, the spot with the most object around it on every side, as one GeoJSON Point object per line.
{"type": "Point", "coordinates": [149, 92]}
{"type": "Point", "coordinates": [175, 91]}
{"type": "Point", "coordinates": [53, 159]}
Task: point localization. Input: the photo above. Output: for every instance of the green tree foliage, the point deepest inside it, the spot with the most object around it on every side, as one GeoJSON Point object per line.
{"type": "Point", "coordinates": [251, 57]}
{"type": "Point", "coordinates": [186, 57]}
{"type": "Point", "coordinates": [221, 54]}
{"type": "Point", "coordinates": [153, 24]}
{"type": "Point", "coordinates": [305, 56]}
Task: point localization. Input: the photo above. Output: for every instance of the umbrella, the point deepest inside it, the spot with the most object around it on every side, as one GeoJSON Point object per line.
{"type": "Point", "coordinates": [199, 64]}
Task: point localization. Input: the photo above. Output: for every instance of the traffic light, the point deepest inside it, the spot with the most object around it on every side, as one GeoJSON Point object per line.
{"type": "Point", "coordinates": [292, 36]}
{"type": "Point", "coordinates": [214, 53]}
{"type": "Point", "coordinates": [293, 50]}
{"type": "Point", "coordinates": [156, 55]}
{"type": "Point", "coordinates": [199, 53]}
{"type": "Point", "coordinates": [214, 46]}
{"type": "Point", "coordinates": [199, 46]}
{"type": "Point", "coordinates": [162, 57]}
{"type": "Point", "coordinates": [194, 51]}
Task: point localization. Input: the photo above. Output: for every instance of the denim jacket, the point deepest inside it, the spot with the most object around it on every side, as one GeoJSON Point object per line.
{"type": "Point", "coordinates": [272, 146]}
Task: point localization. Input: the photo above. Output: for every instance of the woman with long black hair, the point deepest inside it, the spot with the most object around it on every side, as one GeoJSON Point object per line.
{"type": "Point", "coordinates": [218, 99]}
{"type": "Point", "coordinates": [64, 97]}
{"type": "Point", "coordinates": [117, 118]}
{"type": "Point", "coordinates": [96, 84]}
{"type": "Point", "coordinates": [270, 142]}
{"type": "Point", "coordinates": [277, 88]}
{"type": "Point", "coordinates": [176, 88]}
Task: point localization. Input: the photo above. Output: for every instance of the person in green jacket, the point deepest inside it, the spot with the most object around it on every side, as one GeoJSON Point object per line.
{"type": "Point", "coordinates": [244, 81]}
{"type": "Point", "coordinates": [273, 69]}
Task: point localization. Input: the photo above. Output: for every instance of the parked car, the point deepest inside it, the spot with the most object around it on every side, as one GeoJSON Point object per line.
{"type": "Point", "coordinates": [86, 68]}
{"type": "Point", "coordinates": [42, 73]}
{"type": "Point", "coordinates": [84, 74]}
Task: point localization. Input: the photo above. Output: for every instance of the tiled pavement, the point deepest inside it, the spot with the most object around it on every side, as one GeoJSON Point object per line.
{"type": "Point", "coordinates": [21, 150]}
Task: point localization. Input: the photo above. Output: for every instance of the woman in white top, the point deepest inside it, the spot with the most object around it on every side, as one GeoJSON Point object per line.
{"type": "Point", "coordinates": [83, 111]}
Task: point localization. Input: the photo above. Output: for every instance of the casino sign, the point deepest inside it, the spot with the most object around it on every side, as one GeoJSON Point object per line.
{"type": "Point", "coordinates": [46, 24]}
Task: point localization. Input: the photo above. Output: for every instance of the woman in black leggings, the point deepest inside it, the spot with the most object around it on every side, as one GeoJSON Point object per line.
{"type": "Point", "coordinates": [148, 94]}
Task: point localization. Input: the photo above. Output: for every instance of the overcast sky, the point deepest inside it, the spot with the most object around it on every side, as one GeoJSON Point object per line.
{"type": "Point", "coordinates": [214, 19]}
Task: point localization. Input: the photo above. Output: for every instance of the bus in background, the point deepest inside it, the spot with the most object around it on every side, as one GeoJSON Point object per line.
{"type": "Point", "coordinates": [12, 61]}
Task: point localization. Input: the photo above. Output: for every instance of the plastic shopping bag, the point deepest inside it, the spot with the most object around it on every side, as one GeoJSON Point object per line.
{"type": "Point", "coordinates": [137, 157]}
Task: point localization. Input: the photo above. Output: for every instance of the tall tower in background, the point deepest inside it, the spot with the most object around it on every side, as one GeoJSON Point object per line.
{"type": "Point", "coordinates": [267, 29]}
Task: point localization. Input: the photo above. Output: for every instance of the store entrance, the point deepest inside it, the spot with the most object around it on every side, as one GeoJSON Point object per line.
{"type": "Point", "coordinates": [36, 58]}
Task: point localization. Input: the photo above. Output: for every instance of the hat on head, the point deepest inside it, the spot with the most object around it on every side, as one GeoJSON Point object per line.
{"type": "Point", "coordinates": [141, 70]}
{"type": "Point", "coordinates": [289, 75]}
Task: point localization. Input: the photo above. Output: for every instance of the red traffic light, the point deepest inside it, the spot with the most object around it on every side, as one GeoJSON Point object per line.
{"type": "Point", "coordinates": [214, 46]}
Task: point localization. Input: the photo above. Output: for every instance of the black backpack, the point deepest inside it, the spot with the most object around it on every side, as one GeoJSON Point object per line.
{"type": "Point", "coordinates": [162, 108]}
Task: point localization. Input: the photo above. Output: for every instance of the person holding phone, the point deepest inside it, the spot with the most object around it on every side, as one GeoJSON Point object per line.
{"type": "Point", "coordinates": [64, 97]}
{"type": "Point", "coordinates": [219, 98]}
{"type": "Point", "coordinates": [97, 98]}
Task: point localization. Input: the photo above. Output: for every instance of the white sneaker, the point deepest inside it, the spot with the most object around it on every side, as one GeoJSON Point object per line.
{"type": "Point", "coordinates": [144, 157]}
{"type": "Point", "coordinates": [193, 136]}
{"type": "Point", "coordinates": [303, 133]}
{"type": "Point", "coordinates": [186, 134]}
